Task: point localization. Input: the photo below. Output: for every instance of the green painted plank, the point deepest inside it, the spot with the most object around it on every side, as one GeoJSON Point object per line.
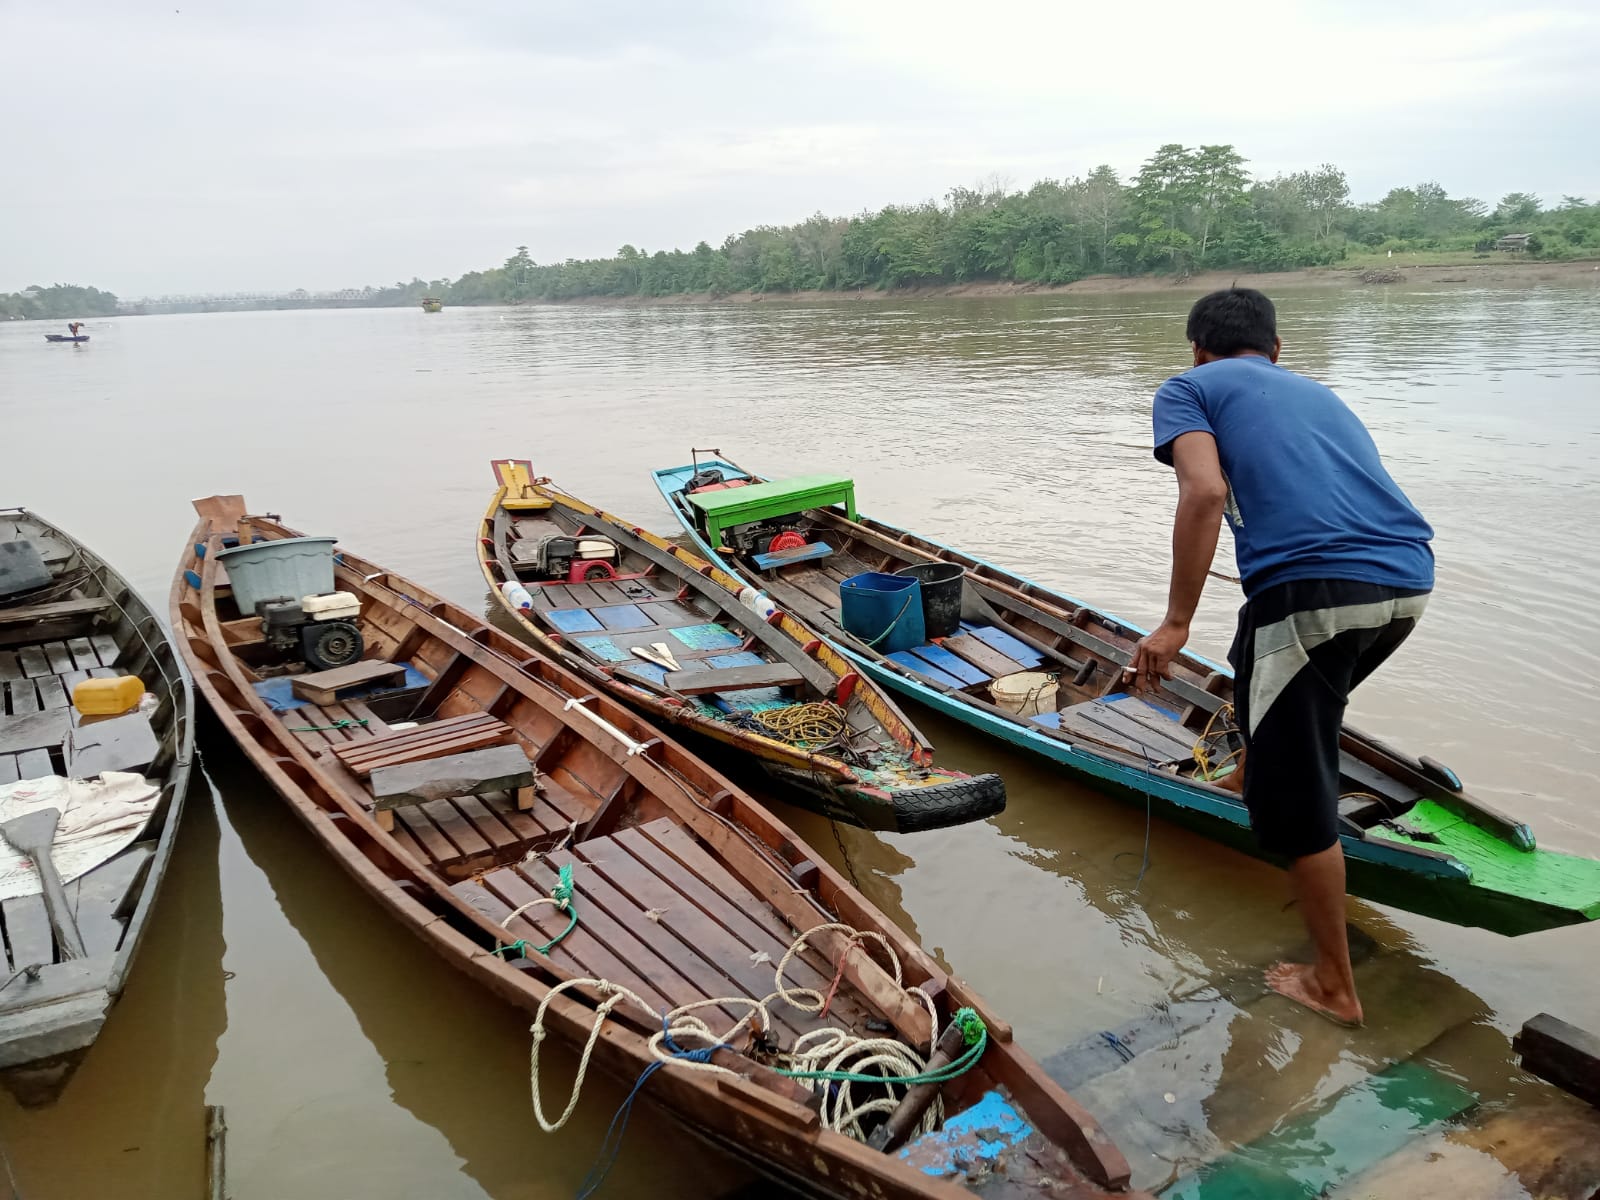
{"type": "Point", "coordinates": [1548, 876]}
{"type": "Point", "coordinates": [1357, 1128]}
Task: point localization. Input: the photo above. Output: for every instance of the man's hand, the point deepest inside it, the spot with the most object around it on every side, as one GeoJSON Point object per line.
{"type": "Point", "coordinates": [1152, 657]}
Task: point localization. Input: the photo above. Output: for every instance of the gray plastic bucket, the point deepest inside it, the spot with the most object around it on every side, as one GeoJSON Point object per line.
{"type": "Point", "coordinates": [941, 595]}
{"type": "Point", "coordinates": [285, 569]}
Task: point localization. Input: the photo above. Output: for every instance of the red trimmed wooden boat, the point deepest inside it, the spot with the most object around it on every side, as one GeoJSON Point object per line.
{"type": "Point", "coordinates": [611, 883]}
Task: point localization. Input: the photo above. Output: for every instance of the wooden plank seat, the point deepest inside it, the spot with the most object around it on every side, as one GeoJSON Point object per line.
{"type": "Point", "coordinates": [733, 679]}
{"type": "Point", "coordinates": [324, 687]}
{"type": "Point", "coordinates": [452, 735]}
{"type": "Point", "coordinates": [473, 773]}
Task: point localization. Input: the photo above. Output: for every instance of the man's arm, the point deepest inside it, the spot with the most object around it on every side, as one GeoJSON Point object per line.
{"type": "Point", "coordinates": [1202, 492]}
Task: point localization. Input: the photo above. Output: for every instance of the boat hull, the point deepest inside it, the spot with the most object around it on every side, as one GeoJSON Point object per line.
{"type": "Point", "coordinates": [1423, 875]}
{"type": "Point", "coordinates": [54, 1008]}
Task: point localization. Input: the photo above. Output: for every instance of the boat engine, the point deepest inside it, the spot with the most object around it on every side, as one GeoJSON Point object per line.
{"type": "Point", "coordinates": [766, 537]}
{"type": "Point", "coordinates": [575, 558]}
{"type": "Point", "coordinates": [322, 630]}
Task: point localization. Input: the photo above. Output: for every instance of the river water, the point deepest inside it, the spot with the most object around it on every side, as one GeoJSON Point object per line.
{"type": "Point", "coordinates": [352, 1064]}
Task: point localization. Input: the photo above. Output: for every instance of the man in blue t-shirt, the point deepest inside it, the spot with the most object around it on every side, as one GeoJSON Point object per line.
{"type": "Point", "coordinates": [1336, 570]}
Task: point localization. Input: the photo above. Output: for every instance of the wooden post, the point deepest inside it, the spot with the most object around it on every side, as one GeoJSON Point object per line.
{"type": "Point", "coordinates": [216, 1153]}
{"type": "Point", "coordinates": [1561, 1054]}
{"type": "Point", "coordinates": [915, 1102]}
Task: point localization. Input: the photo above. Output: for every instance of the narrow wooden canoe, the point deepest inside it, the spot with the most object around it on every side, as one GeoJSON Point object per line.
{"type": "Point", "coordinates": [685, 890]}
{"type": "Point", "coordinates": [85, 622]}
{"type": "Point", "coordinates": [1413, 837]}
{"type": "Point", "coordinates": [868, 766]}
{"type": "Point", "coordinates": [61, 337]}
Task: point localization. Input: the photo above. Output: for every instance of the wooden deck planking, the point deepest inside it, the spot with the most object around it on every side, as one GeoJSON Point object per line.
{"type": "Point", "coordinates": [73, 678]}
{"type": "Point", "coordinates": [105, 649]}
{"type": "Point", "coordinates": [10, 666]}
{"type": "Point", "coordinates": [436, 848]}
{"type": "Point", "coordinates": [488, 826]}
{"type": "Point", "coordinates": [83, 655]}
{"type": "Point", "coordinates": [34, 662]}
{"type": "Point", "coordinates": [738, 916]}
{"type": "Point", "coordinates": [986, 658]}
{"type": "Point", "coordinates": [1158, 743]}
{"type": "Point", "coordinates": [59, 658]}
{"type": "Point", "coordinates": [52, 692]}
{"type": "Point", "coordinates": [455, 826]}
{"type": "Point", "coordinates": [34, 764]}
{"type": "Point", "coordinates": [673, 969]}
{"type": "Point", "coordinates": [8, 768]}
{"type": "Point", "coordinates": [28, 930]}
{"type": "Point", "coordinates": [22, 696]}
{"type": "Point", "coordinates": [589, 947]}
{"type": "Point", "coordinates": [682, 921]}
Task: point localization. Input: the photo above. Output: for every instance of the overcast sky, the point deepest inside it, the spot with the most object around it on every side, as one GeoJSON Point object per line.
{"type": "Point", "coordinates": [194, 145]}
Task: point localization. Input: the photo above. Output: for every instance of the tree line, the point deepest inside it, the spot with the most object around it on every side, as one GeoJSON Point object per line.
{"type": "Point", "coordinates": [1187, 209]}
{"type": "Point", "coordinates": [62, 300]}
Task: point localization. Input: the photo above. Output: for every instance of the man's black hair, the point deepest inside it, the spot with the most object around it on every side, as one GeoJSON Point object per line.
{"type": "Point", "coordinates": [1232, 321]}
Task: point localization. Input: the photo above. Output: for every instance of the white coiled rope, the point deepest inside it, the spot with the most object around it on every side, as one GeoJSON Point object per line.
{"type": "Point", "coordinates": [830, 1049]}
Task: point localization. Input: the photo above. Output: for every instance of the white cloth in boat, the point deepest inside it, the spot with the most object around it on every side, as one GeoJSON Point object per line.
{"type": "Point", "coordinates": [99, 819]}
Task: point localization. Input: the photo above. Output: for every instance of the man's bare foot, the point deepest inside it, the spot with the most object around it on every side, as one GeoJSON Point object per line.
{"type": "Point", "coordinates": [1299, 982]}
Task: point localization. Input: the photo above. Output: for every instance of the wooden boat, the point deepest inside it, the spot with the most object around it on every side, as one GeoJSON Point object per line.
{"type": "Point", "coordinates": [598, 593]}
{"type": "Point", "coordinates": [61, 337]}
{"type": "Point", "coordinates": [74, 618]}
{"type": "Point", "coordinates": [678, 887]}
{"type": "Point", "coordinates": [1413, 837]}
{"type": "Point", "coordinates": [432, 304]}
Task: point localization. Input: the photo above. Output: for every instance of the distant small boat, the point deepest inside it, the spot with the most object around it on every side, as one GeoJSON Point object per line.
{"type": "Point", "coordinates": [62, 337]}
{"type": "Point", "coordinates": [432, 304]}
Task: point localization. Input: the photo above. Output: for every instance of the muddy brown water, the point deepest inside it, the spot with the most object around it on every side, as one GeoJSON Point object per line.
{"type": "Point", "coordinates": [353, 1064]}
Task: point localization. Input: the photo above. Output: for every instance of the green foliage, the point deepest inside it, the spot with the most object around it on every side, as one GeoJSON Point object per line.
{"type": "Point", "coordinates": [62, 301]}
{"type": "Point", "coordinates": [1187, 209]}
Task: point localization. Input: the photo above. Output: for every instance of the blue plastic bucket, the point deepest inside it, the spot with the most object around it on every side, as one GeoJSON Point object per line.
{"type": "Point", "coordinates": [884, 611]}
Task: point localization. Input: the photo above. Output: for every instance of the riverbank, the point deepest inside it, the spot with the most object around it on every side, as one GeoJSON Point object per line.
{"type": "Point", "coordinates": [1472, 274]}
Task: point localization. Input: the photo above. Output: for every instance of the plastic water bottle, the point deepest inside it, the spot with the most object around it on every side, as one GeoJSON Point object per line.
{"type": "Point", "coordinates": [757, 602]}
{"type": "Point", "coordinates": [517, 594]}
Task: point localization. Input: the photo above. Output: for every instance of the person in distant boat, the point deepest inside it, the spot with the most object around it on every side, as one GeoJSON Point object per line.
{"type": "Point", "coordinates": [73, 327]}
{"type": "Point", "coordinates": [1336, 567]}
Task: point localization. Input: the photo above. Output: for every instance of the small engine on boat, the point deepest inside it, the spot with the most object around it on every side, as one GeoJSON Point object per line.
{"type": "Point", "coordinates": [766, 537]}
{"type": "Point", "coordinates": [322, 630]}
{"type": "Point", "coordinates": [575, 558]}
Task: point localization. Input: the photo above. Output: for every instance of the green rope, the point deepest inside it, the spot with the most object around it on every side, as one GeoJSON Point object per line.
{"type": "Point", "coordinates": [345, 724]}
{"type": "Point", "coordinates": [973, 1031]}
{"type": "Point", "coordinates": [562, 895]}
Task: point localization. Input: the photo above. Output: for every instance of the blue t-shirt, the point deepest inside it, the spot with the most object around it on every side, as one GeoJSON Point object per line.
{"type": "Point", "coordinates": [1308, 496]}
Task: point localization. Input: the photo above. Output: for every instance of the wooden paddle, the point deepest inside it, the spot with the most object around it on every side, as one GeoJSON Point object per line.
{"type": "Point", "coordinates": [33, 835]}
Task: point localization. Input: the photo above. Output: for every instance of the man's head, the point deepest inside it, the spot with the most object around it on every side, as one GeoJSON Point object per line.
{"type": "Point", "coordinates": [1232, 322]}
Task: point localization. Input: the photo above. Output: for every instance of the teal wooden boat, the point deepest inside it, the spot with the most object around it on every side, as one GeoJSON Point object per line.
{"type": "Point", "coordinates": [1413, 837]}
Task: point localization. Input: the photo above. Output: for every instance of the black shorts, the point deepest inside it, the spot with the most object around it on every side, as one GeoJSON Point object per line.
{"type": "Point", "coordinates": [1301, 648]}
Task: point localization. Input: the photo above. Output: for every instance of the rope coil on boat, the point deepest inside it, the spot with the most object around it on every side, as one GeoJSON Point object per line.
{"type": "Point", "coordinates": [834, 1061]}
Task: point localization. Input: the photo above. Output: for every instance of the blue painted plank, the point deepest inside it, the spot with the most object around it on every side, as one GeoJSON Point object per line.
{"type": "Point", "coordinates": [622, 616]}
{"type": "Point", "coordinates": [980, 1135]}
{"type": "Point", "coordinates": [605, 648]}
{"type": "Point", "coordinates": [639, 667]}
{"type": "Point", "coordinates": [706, 637]}
{"type": "Point", "coordinates": [926, 669]}
{"type": "Point", "coordinates": [573, 620]}
{"type": "Point", "coordinates": [950, 664]}
{"type": "Point", "coordinates": [1051, 719]}
{"type": "Point", "coordinates": [786, 558]}
{"type": "Point", "coordinates": [1116, 698]}
{"type": "Point", "coordinates": [741, 658]}
{"type": "Point", "coordinates": [1002, 641]}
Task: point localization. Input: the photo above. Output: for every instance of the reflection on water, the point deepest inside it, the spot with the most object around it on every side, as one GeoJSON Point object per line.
{"type": "Point", "coordinates": [353, 1063]}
